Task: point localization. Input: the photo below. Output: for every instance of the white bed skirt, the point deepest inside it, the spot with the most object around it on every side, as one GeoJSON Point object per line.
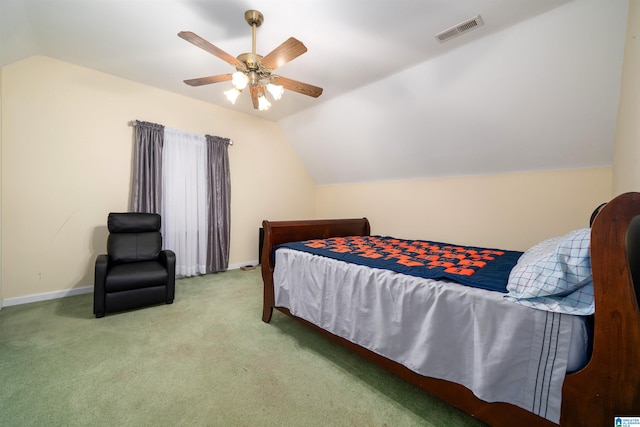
{"type": "Point", "coordinates": [501, 351]}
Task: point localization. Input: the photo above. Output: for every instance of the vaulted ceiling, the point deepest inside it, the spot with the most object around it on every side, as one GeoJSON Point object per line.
{"type": "Point", "coordinates": [535, 87]}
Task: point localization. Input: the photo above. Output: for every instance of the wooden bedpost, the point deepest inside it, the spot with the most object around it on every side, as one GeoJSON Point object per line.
{"type": "Point", "coordinates": [267, 265]}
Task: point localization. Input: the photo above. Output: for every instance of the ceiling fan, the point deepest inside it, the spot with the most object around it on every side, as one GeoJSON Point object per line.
{"type": "Point", "coordinates": [254, 70]}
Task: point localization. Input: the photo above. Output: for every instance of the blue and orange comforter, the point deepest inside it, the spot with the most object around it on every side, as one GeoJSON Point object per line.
{"type": "Point", "coordinates": [478, 267]}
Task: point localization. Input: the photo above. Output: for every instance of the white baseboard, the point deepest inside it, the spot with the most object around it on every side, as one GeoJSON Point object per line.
{"type": "Point", "coordinates": [8, 302]}
{"type": "Point", "coordinates": [242, 264]}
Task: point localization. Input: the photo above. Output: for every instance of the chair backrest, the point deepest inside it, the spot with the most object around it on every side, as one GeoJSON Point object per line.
{"type": "Point", "coordinates": [133, 237]}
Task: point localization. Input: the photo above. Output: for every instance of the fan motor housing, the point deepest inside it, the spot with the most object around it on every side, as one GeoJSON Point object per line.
{"type": "Point", "coordinates": [253, 17]}
{"type": "Point", "coordinates": [251, 60]}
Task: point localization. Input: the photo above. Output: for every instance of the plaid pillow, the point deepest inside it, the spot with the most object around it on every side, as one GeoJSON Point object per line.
{"type": "Point", "coordinates": [555, 277]}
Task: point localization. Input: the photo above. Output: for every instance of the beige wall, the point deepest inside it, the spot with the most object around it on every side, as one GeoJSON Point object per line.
{"type": "Point", "coordinates": [66, 163]}
{"type": "Point", "coordinates": [509, 211]}
{"type": "Point", "coordinates": [626, 160]}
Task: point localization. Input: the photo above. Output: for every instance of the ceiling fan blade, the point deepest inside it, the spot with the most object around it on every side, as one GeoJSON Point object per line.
{"type": "Point", "coordinates": [255, 91]}
{"type": "Point", "coordinates": [287, 51]}
{"type": "Point", "coordinates": [214, 50]}
{"type": "Point", "coordinates": [303, 88]}
{"type": "Point", "coordinates": [209, 80]}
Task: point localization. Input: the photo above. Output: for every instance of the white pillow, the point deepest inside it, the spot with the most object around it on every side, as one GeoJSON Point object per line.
{"type": "Point", "coordinates": [540, 250]}
{"type": "Point", "coordinates": [555, 267]}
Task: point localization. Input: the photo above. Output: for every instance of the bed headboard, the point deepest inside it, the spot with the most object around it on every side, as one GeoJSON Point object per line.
{"type": "Point", "coordinates": [615, 252]}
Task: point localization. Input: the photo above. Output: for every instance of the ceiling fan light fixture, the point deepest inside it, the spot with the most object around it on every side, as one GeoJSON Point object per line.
{"type": "Point", "coordinates": [275, 90]}
{"type": "Point", "coordinates": [239, 80]}
{"type": "Point", "coordinates": [232, 94]}
{"type": "Point", "coordinates": [263, 103]}
{"type": "Point", "coordinates": [254, 70]}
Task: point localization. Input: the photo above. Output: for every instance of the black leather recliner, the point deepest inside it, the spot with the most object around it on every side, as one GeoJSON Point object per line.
{"type": "Point", "coordinates": [135, 272]}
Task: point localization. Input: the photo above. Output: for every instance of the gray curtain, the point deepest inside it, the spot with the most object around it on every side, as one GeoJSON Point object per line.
{"type": "Point", "coordinates": [146, 192]}
{"type": "Point", "coordinates": [219, 203]}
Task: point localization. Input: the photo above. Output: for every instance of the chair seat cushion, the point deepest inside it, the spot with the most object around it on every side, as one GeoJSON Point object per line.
{"type": "Point", "coordinates": [135, 275]}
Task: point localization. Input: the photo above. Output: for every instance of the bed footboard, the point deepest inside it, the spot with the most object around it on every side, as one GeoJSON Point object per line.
{"type": "Point", "coordinates": [278, 232]}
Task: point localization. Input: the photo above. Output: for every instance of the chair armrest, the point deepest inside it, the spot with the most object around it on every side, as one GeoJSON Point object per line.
{"type": "Point", "coordinates": [168, 259]}
{"type": "Point", "coordinates": [102, 264]}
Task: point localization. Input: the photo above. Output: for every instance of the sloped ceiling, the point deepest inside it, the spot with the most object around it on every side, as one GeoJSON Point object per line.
{"type": "Point", "coordinates": [541, 95]}
{"type": "Point", "coordinates": [535, 88]}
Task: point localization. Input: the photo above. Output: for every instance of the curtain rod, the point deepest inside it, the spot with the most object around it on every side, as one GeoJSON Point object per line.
{"type": "Point", "coordinates": [135, 122]}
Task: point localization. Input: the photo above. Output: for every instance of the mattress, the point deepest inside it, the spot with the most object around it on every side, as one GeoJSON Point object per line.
{"type": "Point", "coordinates": [501, 351]}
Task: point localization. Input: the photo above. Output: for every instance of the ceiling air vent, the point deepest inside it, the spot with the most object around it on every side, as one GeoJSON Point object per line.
{"type": "Point", "coordinates": [460, 29]}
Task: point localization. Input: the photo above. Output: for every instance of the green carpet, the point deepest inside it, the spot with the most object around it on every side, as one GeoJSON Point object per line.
{"type": "Point", "coordinates": [206, 359]}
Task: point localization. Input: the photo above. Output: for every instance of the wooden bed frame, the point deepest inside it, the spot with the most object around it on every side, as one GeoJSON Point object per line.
{"type": "Point", "coordinates": [607, 387]}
